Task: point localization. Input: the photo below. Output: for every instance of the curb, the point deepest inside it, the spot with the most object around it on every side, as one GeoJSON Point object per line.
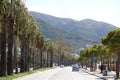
{"type": "Point", "coordinates": [94, 75]}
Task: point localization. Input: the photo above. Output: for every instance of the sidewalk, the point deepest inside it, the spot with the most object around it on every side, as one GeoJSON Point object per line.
{"type": "Point", "coordinates": [97, 73]}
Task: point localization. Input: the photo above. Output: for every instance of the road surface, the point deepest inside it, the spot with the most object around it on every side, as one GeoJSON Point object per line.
{"type": "Point", "coordinates": [60, 74]}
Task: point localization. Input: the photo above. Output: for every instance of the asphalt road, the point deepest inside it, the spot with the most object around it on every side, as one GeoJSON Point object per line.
{"type": "Point", "coordinates": [60, 74]}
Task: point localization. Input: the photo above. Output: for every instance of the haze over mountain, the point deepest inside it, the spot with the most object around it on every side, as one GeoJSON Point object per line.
{"type": "Point", "coordinates": [76, 33]}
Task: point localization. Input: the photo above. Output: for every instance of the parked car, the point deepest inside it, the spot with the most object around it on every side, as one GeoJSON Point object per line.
{"type": "Point", "coordinates": [61, 66]}
{"type": "Point", "coordinates": [75, 67]}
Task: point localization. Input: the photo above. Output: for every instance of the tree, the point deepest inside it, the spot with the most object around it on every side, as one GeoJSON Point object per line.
{"type": "Point", "coordinates": [62, 47]}
{"type": "Point", "coordinates": [99, 51]}
{"type": "Point", "coordinates": [51, 50]}
{"type": "Point", "coordinates": [4, 16]}
{"type": "Point", "coordinates": [13, 8]}
{"type": "Point", "coordinates": [113, 41]}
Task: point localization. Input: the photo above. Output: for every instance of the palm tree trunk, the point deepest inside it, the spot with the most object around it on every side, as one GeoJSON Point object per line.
{"type": "Point", "coordinates": [33, 58]}
{"type": "Point", "coordinates": [22, 69]}
{"type": "Point", "coordinates": [0, 51]}
{"type": "Point", "coordinates": [3, 66]}
{"type": "Point", "coordinates": [41, 58]}
{"type": "Point", "coordinates": [47, 59]}
{"type": "Point", "coordinates": [15, 56]}
{"type": "Point", "coordinates": [51, 58]}
{"type": "Point", "coordinates": [26, 54]}
{"type": "Point", "coordinates": [10, 47]}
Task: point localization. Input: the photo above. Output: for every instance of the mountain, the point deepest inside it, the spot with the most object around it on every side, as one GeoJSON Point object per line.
{"type": "Point", "coordinates": [76, 33]}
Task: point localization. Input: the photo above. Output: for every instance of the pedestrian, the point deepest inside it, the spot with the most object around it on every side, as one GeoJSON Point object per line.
{"type": "Point", "coordinates": [102, 66]}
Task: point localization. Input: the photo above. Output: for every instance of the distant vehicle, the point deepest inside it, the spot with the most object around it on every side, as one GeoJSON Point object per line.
{"type": "Point", "coordinates": [61, 66]}
{"type": "Point", "coordinates": [75, 67]}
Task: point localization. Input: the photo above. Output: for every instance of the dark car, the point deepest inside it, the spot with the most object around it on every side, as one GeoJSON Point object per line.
{"type": "Point", "coordinates": [75, 67]}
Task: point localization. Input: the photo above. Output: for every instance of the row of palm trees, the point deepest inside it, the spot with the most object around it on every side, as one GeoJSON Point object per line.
{"type": "Point", "coordinates": [107, 53]}
{"type": "Point", "coordinates": [22, 43]}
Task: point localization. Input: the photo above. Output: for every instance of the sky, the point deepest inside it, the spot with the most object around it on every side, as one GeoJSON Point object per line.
{"type": "Point", "coordinates": [100, 10]}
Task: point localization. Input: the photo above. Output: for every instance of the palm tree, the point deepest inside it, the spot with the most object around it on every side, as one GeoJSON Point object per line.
{"type": "Point", "coordinates": [11, 35]}
{"type": "Point", "coordinates": [17, 26]}
{"type": "Point", "coordinates": [46, 50]}
{"type": "Point", "coordinates": [4, 24]}
{"type": "Point", "coordinates": [51, 50]}
{"type": "Point", "coordinates": [24, 36]}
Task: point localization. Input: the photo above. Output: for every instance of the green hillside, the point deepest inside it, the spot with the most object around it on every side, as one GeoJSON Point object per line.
{"type": "Point", "coordinates": [76, 33]}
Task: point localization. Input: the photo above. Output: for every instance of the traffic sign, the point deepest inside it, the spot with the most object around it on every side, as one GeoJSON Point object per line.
{"type": "Point", "coordinates": [94, 57]}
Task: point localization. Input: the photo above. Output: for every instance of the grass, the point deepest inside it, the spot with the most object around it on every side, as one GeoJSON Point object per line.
{"type": "Point", "coordinates": [13, 76]}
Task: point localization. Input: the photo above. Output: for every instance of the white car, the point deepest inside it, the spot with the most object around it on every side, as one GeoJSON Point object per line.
{"type": "Point", "coordinates": [62, 66]}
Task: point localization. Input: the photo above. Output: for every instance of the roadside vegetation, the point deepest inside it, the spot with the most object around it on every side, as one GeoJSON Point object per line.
{"type": "Point", "coordinates": [13, 76]}
{"type": "Point", "coordinates": [108, 53]}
